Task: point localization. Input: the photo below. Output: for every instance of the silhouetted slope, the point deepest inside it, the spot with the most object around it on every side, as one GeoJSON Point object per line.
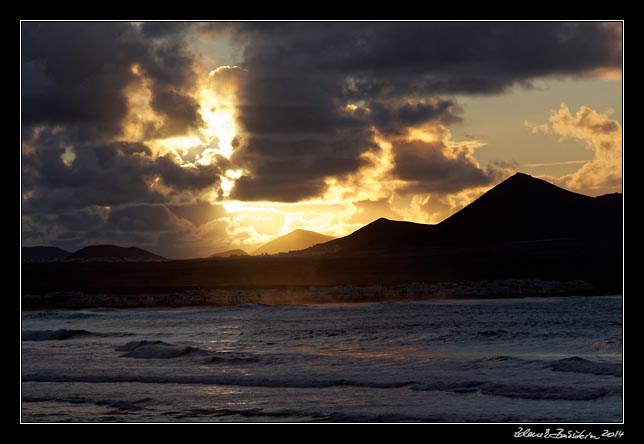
{"type": "Point", "coordinates": [522, 208]}
{"type": "Point", "coordinates": [381, 234]}
{"type": "Point", "coordinates": [229, 253]}
{"type": "Point", "coordinates": [522, 229]}
{"type": "Point", "coordinates": [606, 211]}
{"type": "Point", "coordinates": [43, 253]}
{"type": "Point", "coordinates": [295, 240]}
{"type": "Point", "coordinates": [114, 252]}
{"type": "Point", "coordinates": [525, 208]}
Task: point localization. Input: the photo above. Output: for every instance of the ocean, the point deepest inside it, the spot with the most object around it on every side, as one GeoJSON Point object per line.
{"type": "Point", "coordinates": [495, 360]}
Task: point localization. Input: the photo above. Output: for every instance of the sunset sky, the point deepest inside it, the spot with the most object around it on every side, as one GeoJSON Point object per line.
{"type": "Point", "coordinates": [191, 138]}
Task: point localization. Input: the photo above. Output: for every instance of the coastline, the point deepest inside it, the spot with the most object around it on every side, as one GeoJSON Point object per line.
{"type": "Point", "coordinates": [415, 291]}
{"type": "Point", "coordinates": [564, 267]}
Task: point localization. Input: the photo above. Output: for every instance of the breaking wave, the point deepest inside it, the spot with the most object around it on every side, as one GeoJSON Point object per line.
{"type": "Point", "coordinates": [126, 406]}
{"type": "Point", "coordinates": [55, 314]}
{"type": "Point", "coordinates": [524, 391]}
{"type": "Point", "coordinates": [227, 358]}
{"type": "Point", "coordinates": [581, 365]}
{"type": "Point", "coordinates": [56, 335]}
{"type": "Point", "coordinates": [155, 350]}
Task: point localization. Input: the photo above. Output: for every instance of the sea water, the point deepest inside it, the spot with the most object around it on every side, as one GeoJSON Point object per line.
{"type": "Point", "coordinates": [502, 360]}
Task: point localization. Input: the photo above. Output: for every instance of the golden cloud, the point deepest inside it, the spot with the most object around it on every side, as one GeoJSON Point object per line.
{"type": "Point", "coordinates": [601, 134]}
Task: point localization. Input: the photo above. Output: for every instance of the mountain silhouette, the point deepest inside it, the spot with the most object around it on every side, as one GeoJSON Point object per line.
{"type": "Point", "coordinates": [107, 252]}
{"type": "Point", "coordinates": [524, 229]}
{"type": "Point", "coordinates": [526, 208]}
{"type": "Point", "coordinates": [295, 240]}
{"type": "Point", "coordinates": [522, 208]}
{"type": "Point", "coordinates": [382, 234]}
{"type": "Point", "coordinates": [43, 254]}
{"type": "Point", "coordinates": [229, 253]}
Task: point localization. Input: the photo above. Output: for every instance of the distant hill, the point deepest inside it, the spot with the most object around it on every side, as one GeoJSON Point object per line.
{"type": "Point", "coordinates": [526, 208]}
{"type": "Point", "coordinates": [113, 252]}
{"type": "Point", "coordinates": [295, 240]}
{"type": "Point", "coordinates": [522, 208]}
{"type": "Point", "coordinates": [382, 234]}
{"type": "Point", "coordinates": [43, 254]}
{"type": "Point", "coordinates": [523, 229]}
{"type": "Point", "coordinates": [229, 253]}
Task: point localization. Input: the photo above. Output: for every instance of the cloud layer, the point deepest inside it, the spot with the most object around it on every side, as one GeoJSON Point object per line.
{"type": "Point", "coordinates": [139, 133]}
{"type": "Point", "coordinates": [302, 76]}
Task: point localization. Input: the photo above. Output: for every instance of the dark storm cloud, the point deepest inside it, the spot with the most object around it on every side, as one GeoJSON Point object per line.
{"type": "Point", "coordinates": [293, 85]}
{"type": "Point", "coordinates": [290, 169]}
{"type": "Point", "coordinates": [75, 169]}
{"type": "Point", "coordinates": [291, 185]}
{"type": "Point", "coordinates": [73, 224]}
{"type": "Point", "coordinates": [315, 145]}
{"type": "Point", "coordinates": [170, 66]}
{"type": "Point", "coordinates": [466, 57]}
{"type": "Point", "coordinates": [186, 178]}
{"type": "Point", "coordinates": [295, 118]}
{"type": "Point", "coordinates": [298, 131]}
{"type": "Point", "coordinates": [163, 29]}
{"type": "Point", "coordinates": [198, 213]}
{"type": "Point", "coordinates": [427, 168]}
{"type": "Point", "coordinates": [300, 76]}
{"type": "Point", "coordinates": [76, 73]}
{"type": "Point", "coordinates": [142, 217]}
{"type": "Point", "coordinates": [181, 111]}
{"type": "Point", "coordinates": [72, 73]}
{"type": "Point", "coordinates": [394, 118]}
{"type": "Point", "coordinates": [106, 174]}
{"type": "Point", "coordinates": [132, 148]}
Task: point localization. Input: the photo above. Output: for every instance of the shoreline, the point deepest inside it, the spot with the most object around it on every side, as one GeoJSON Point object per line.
{"type": "Point", "coordinates": [414, 291]}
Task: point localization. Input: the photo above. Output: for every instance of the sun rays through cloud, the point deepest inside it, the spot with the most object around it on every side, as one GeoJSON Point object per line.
{"type": "Point", "coordinates": [234, 133]}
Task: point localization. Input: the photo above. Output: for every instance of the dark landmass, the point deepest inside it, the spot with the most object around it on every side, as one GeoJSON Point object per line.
{"type": "Point", "coordinates": [98, 253]}
{"type": "Point", "coordinates": [523, 230]}
{"type": "Point", "coordinates": [112, 252]}
{"type": "Point", "coordinates": [522, 208]}
{"type": "Point", "coordinates": [230, 253]}
{"type": "Point", "coordinates": [598, 263]}
{"type": "Point", "coordinates": [293, 241]}
{"type": "Point", "coordinates": [414, 291]}
{"type": "Point", "coordinates": [35, 254]}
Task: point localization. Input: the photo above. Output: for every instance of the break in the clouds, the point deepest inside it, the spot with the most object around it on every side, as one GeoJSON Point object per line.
{"type": "Point", "coordinates": [147, 133]}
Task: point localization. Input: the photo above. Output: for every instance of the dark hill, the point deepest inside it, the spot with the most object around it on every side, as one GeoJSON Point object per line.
{"type": "Point", "coordinates": [522, 208]}
{"type": "Point", "coordinates": [105, 252]}
{"type": "Point", "coordinates": [381, 234]}
{"type": "Point", "coordinates": [526, 208]}
{"type": "Point", "coordinates": [293, 241]}
{"type": "Point", "coordinates": [230, 253]}
{"type": "Point", "coordinates": [523, 229]}
{"type": "Point", "coordinates": [43, 254]}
